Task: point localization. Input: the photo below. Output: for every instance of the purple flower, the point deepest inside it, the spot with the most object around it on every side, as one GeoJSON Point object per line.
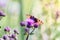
{"type": "Point", "coordinates": [29, 25]}
{"type": "Point", "coordinates": [22, 23]}
{"type": "Point", "coordinates": [30, 20]}
{"type": "Point", "coordinates": [35, 25]}
{"type": "Point", "coordinates": [2, 14]}
{"type": "Point", "coordinates": [27, 30]}
{"type": "Point", "coordinates": [5, 37]}
{"type": "Point", "coordinates": [15, 31]}
{"type": "Point", "coordinates": [13, 36]}
{"type": "Point", "coordinates": [3, 3]}
{"type": "Point", "coordinates": [7, 29]}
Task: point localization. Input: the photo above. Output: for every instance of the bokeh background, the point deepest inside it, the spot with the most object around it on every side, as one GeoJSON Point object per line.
{"type": "Point", "coordinates": [46, 10]}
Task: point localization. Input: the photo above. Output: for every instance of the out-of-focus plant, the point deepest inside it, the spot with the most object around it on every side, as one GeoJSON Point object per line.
{"type": "Point", "coordinates": [9, 35]}
{"type": "Point", "coordinates": [30, 23]}
{"type": "Point", "coordinates": [1, 15]}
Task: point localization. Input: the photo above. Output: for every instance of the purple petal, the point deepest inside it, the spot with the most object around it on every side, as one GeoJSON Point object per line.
{"type": "Point", "coordinates": [30, 20]}
{"type": "Point", "coordinates": [29, 24]}
{"type": "Point", "coordinates": [13, 36]}
{"type": "Point", "coordinates": [27, 30]}
{"type": "Point", "coordinates": [5, 37]}
{"type": "Point", "coordinates": [22, 23]}
{"type": "Point", "coordinates": [15, 31]}
{"type": "Point", "coordinates": [7, 29]}
{"type": "Point", "coordinates": [1, 13]}
{"type": "Point", "coordinates": [35, 25]}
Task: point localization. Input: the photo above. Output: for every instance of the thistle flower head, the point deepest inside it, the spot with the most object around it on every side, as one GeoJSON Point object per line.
{"type": "Point", "coordinates": [30, 20]}
{"type": "Point", "coordinates": [15, 31]}
{"type": "Point", "coordinates": [29, 25]}
{"type": "Point", "coordinates": [7, 29]}
{"type": "Point", "coordinates": [5, 37]}
{"type": "Point", "coordinates": [36, 25]}
{"type": "Point", "coordinates": [27, 30]}
{"type": "Point", "coordinates": [22, 23]}
{"type": "Point", "coordinates": [13, 36]}
{"type": "Point", "coordinates": [2, 14]}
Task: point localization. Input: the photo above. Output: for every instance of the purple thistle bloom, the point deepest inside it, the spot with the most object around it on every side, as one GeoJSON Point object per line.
{"type": "Point", "coordinates": [15, 31]}
{"type": "Point", "coordinates": [29, 24]}
{"type": "Point", "coordinates": [35, 25]}
{"type": "Point", "coordinates": [13, 36]}
{"type": "Point", "coordinates": [5, 37]}
{"type": "Point", "coordinates": [7, 29]}
{"type": "Point", "coordinates": [2, 14]}
{"type": "Point", "coordinates": [22, 23]}
{"type": "Point", "coordinates": [30, 20]}
{"type": "Point", "coordinates": [27, 30]}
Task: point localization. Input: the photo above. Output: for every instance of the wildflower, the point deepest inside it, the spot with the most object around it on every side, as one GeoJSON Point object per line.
{"type": "Point", "coordinates": [27, 30]}
{"type": "Point", "coordinates": [1, 14]}
{"type": "Point", "coordinates": [30, 20]}
{"type": "Point", "coordinates": [29, 24]}
{"type": "Point", "coordinates": [7, 29]}
{"type": "Point", "coordinates": [13, 36]}
{"type": "Point", "coordinates": [22, 23]}
{"type": "Point", "coordinates": [15, 31]}
{"type": "Point", "coordinates": [5, 37]}
{"type": "Point", "coordinates": [35, 25]}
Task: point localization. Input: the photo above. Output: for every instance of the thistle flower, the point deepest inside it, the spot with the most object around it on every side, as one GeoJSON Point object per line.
{"type": "Point", "coordinates": [29, 25]}
{"type": "Point", "coordinates": [35, 25]}
{"type": "Point", "coordinates": [1, 15]}
{"type": "Point", "coordinates": [27, 30]}
{"type": "Point", "coordinates": [13, 36]}
{"type": "Point", "coordinates": [22, 23]}
{"type": "Point", "coordinates": [5, 37]}
{"type": "Point", "coordinates": [31, 22]}
{"type": "Point", "coordinates": [7, 29]}
{"type": "Point", "coordinates": [15, 31]}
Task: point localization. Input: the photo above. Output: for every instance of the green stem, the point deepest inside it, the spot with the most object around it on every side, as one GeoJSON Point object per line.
{"type": "Point", "coordinates": [21, 19]}
{"type": "Point", "coordinates": [32, 30]}
{"type": "Point", "coordinates": [30, 33]}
